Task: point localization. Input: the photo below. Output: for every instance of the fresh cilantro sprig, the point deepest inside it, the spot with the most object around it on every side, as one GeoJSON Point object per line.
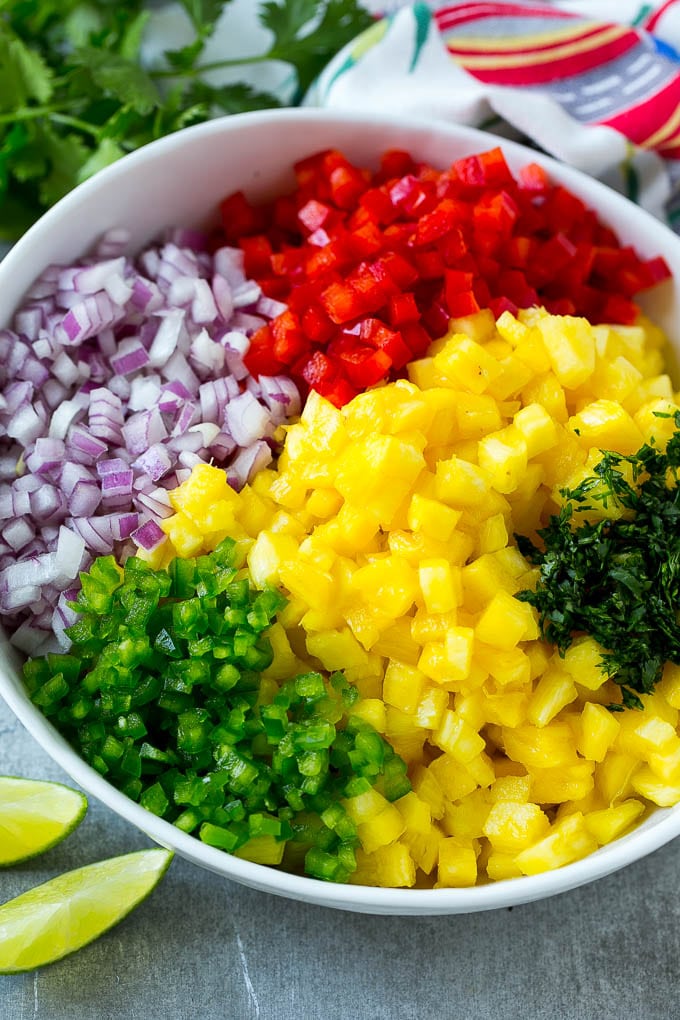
{"type": "Point", "coordinates": [76, 93]}
{"type": "Point", "coordinates": [616, 579]}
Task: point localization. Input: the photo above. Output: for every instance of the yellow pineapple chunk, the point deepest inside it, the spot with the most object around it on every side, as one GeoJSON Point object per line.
{"type": "Point", "coordinates": [597, 731]}
{"type": "Point", "coordinates": [457, 866]}
{"type": "Point", "coordinates": [389, 867]}
{"type": "Point", "coordinates": [511, 826]}
{"type": "Point", "coordinates": [609, 823]}
{"type": "Point", "coordinates": [568, 841]}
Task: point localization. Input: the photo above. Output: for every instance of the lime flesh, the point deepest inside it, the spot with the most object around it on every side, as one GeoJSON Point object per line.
{"type": "Point", "coordinates": [34, 816]}
{"type": "Point", "coordinates": [57, 918]}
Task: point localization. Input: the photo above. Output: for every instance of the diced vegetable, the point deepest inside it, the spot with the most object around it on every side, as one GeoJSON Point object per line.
{"type": "Point", "coordinates": [162, 692]}
{"type": "Point", "coordinates": [374, 265]}
{"type": "Point", "coordinates": [117, 378]}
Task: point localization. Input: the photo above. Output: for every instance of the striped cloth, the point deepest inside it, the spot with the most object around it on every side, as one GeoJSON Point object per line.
{"type": "Point", "coordinates": [595, 83]}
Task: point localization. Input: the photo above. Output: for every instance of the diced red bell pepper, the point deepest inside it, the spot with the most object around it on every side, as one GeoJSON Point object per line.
{"type": "Point", "coordinates": [289, 341]}
{"type": "Point", "coordinates": [257, 253]}
{"type": "Point", "coordinates": [239, 217]}
{"type": "Point", "coordinates": [402, 308]}
{"type": "Point", "coordinates": [316, 325]}
{"type": "Point", "coordinates": [374, 267]}
{"type": "Point", "coordinates": [375, 333]}
{"type": "Point", "coordinates": [495, 169]}
{"type": "Point", "coordinates": [395, 163]}
{"type": "Point", "coordinates": [532, 177]}
{"type": "Point", "coordinates": [341, 303]}
{"type": "Point", "coordinates": [259, 358]}
{"type": "Point", "coordinates": [416, 338]}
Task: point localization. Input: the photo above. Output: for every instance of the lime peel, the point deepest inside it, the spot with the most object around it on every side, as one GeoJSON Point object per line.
{"type": "Point", "coordinates": [35, 815]}
{"type": "Point", "coordinates": [61, 916]}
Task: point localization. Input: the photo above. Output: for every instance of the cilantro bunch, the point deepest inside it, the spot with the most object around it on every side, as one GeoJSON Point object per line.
{"type": "Point", "coordinates": [76, 94]}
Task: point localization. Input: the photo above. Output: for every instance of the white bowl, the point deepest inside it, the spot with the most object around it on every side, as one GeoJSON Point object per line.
{"type": "Point", "coordinates": [179, 181]}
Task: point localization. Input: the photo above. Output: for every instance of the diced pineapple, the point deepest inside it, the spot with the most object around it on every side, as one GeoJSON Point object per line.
{"type": "Point", "coordinates": [467, 818]}
{"type": "Point", "coordinates": [648, 784]}
{"type": "Point", "coordinates": [403, 686]}
{"type": "Point", "coordinates": [505, 622]}
{"type": "Point", "coordinates": [371, 710]}
{"type": "Point", "coordinates": [389, 866]}
{"type": "Point", "coordinates": [503, 456]}
{"type": "Point", "coordinates": [381, 829]}
{"type": "Point", "coordinates": [562, 783]}
{"type": "Point", "coordinates": [552, 693]}
{"type": "Point", "coordinates": [597, 731]}
{"type": "Point", "coordinates": [582, 661]}
{"type": "Point", "coordinates": [267, 553]}
{"type": "Point", "coordinates": [460, 483]}
{"type": "Point", "coordinates": [434, 518]}
{"type": "Point", "coordinates": [426, 784]}
{"type": "Point", "coordinates": [570, 345]}
{"type": "Point", "coordinates": [537, 428]}
{"type": "Point", "coordinates": [502, 866]}
{"type": "Point", "coordinates": [457, 865]}
{"type": "Point", "coordinates": [568, 841]}
{"type": "Point", "coordinates": [466, 363]}
{"type": "Point", "coordinates": [613, 776]}
{"type": "Point", "coordinates": [440, 584]}
{"type": "Point", "coordinates": [431, 707]}
{"type": "Point", "coordinates": [609, 823]}
{"type": "Point", "coordinates": [512, 826]}
{"type": "Point", "coordinates": [455, 736]}
{"type": "Point", "coordinates": [604, 424]}
{"type": "Point", "coordinates": [540, 747]}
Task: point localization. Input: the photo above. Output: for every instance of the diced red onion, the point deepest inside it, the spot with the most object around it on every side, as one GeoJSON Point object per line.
{"type": "Point", "coordinates": [148, 536]}
{"type": "Point", "coordinates": [80, 439]}
{"type": "Point", "coordinates": [246, 294]}
{"type": "Point", "coordinates": [28, 322]}
{"type": "Point", "coordinates": [142, 430]}
{"type": "Point", "coordinates": [246, 419]}
{"type": "Point", "coordinates": [167, 337]}
{"type": "Point", "coordinates": [64, 416]}
{"type": "Point", "coordinates": [154, 462]}
{"type": "Point", "coordinates": [18, 533]}
{"type": "Point", "coordinates": [84, 499]}
{"type": "Point", "coordinates": [247, 463]}
{"type": "Point", "coordinates": [130, 357]}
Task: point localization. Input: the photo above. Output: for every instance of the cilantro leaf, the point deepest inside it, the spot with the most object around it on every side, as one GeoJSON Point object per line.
{"type": "Point", "coordinates": [238, 97]}
{"type": "Point", "coordinates": [24, 76]}
{"type": "Point", "coordinates": [107, 152]}
{"type": "Point", "coordinates": [119, 77]}
{"type": "Point", "coordinates": [204, 14]}
{"type": "Point", "coordinates": [307, 34]}
{"type": "Point", "coordinates": [65, 155]}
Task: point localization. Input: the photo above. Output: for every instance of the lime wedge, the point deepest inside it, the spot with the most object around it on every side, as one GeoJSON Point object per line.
{"type": "Point", "coordinates": [59, 917]}
{"type": "Point", "coordinates": [34, 815]}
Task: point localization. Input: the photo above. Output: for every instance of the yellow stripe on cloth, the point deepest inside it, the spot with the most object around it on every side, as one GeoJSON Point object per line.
{"type": "Point", "coordinates": [534, 41]}
{"type": "Point", "coordinates": [608, 34]}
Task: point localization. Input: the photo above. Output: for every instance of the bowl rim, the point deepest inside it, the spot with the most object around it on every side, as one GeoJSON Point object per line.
{"type": "Point", "coordinates": [370, 899]}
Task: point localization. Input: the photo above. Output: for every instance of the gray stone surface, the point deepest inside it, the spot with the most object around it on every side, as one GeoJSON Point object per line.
{"type": "Point", "coordinates": [201, 947]}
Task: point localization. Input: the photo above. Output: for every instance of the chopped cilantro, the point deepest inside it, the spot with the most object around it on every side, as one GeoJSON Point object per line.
{"type": "Point", "coordinates": [616, 579]}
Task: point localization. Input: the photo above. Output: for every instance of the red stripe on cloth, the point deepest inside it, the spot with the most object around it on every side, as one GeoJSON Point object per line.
{"type": "Point", "coordinates": [457, 47]}
{"type": "Point", "coordinates": [552, 70]}
{"type": "Point", "coordinates": [643, 121]}
{"type": "Point", "coordinates": [653, 20]}
{"type": "Point", "coordinates": [448, 17]}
